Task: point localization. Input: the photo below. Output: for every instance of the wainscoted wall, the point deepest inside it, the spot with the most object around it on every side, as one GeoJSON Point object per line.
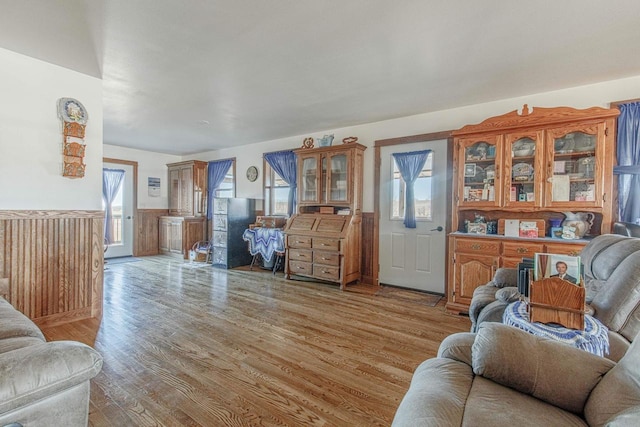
{"type": "Point", "coordinates": [368, 263]}
{"type": "Point", "coordinates": [53, 261]}
{"type": "Point", "coordinates": [147, 231]}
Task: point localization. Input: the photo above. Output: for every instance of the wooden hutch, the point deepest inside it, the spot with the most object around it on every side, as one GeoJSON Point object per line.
{"type": "Point", "coordinates": [186, 222]}
{"type": "Point", "coordinates": [324, 239]}
{"type": "Point", "coordinates": [531, 166]}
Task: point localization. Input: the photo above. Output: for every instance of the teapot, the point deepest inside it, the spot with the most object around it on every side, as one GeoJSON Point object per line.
{"type": "Point", "coordinates": [581, 221]}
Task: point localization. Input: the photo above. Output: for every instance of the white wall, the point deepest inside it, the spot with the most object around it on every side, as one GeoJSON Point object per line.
{"type": "Point", "coordinates": [31, 136]}
{"type": "Point", "coordinates": [600, 94]}
{"type": "Point", "coordinates": [149, 165]}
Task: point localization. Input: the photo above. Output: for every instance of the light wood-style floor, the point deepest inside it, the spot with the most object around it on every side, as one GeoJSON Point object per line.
{"type": "Point", "coordinates": [209, 347]}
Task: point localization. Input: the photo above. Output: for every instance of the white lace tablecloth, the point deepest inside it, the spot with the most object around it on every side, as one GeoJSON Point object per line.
{"type": "Point", "coordinates": [594, 338]}
{"type": "Point", "coordinates": [264, 241]}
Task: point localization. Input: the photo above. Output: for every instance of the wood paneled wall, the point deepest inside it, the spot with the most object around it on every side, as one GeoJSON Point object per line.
{"type": "Point", "coordinates": [368, 263]}
{"type": "Point", "coordinates": [147, 233]}
{"type": "Point", "coordinates": [54, 263]}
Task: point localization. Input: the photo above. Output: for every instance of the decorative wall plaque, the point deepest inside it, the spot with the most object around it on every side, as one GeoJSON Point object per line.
{"type": "Point", "coordinates": [74, 119]}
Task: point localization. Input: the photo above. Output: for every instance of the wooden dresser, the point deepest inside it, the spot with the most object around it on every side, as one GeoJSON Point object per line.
{"type": "Point", "coordinates": [532, 166]}
{"type": "Point", "coordinates": [324, 247]}
{"type": "Point", "coordinates": [324, 238]}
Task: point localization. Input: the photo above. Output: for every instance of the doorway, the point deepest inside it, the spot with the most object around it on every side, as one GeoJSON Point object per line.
{"type": "Point", "coordinates": [123, 208]}
{"type": "Point", "coordinates": [414, 258]}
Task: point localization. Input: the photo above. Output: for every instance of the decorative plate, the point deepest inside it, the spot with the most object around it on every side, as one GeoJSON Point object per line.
{"type": "Point", "coordinates": [252, 173]}
{"type": "Point", "coordinates": [72, 110]}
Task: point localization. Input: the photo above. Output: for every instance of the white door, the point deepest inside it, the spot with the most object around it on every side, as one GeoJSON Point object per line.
{"type": "Point", "coordinates": [414, 257]}
{"type": "Point", "coordinates": [122, 215]}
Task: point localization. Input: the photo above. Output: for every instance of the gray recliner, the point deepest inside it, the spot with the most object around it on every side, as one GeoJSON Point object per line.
{"type": "Point", "coordinates": [612, 280]}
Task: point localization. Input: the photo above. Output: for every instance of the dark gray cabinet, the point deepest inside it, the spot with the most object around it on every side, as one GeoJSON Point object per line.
{"type": "Point", "coordinates": [230, 218]}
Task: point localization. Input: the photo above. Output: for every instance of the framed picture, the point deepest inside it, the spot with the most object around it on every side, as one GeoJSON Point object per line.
{"type": "Point", "coordinates": [469, 169]}
{"type": "Point", "coordinates": [566, 267]}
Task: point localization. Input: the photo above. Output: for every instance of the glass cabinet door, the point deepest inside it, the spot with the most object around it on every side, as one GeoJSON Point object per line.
{"type": "Point", "coordinates": [338, 182]}
{"type": "Point", "coordinates": [309, 191]}
{"type": "Point", "coordinates": [523, 165]}
{"type": "Point", "coordinates": [479, 161]}
{"type": "Point", "coordinates": [575, 169]}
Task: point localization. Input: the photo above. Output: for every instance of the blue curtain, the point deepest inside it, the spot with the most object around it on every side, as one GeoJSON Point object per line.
{"type": "Point", "coordinates": [410, 164]}
{"type": "Point", "coordinates": [628, 168]}
{"type": "Point", "coordinates": [284, 164]}
{"type": "Point", "coordinates": [111, 182]}
{"type": "Point", "coordinates": [216, 172]}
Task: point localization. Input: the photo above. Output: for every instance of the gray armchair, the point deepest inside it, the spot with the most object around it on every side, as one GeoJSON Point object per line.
{"type": "Point", "coordinates": [503, 376]}
{"type": "Point", "coordinates": [612, 280]}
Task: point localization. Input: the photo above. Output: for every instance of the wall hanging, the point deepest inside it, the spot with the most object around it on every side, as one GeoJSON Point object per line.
{"type": "Point", "coordinates": [74, 119]}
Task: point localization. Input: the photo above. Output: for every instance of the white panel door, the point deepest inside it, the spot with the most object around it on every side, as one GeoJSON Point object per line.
{"type": "Point", "coordinates": [414, 257]}
{"type": "Point", "coordinates": [122, 215]}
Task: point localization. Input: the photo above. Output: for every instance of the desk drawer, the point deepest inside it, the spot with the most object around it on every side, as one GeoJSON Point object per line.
{"type": "Point", "coordinates": [326, 258]}
{"type": "Point", "coordinates": [521, 249]}
{"type": "Point", "coordinates": [299, 267]}
{"type": "Point", "coordinates": [326, 272]}
{"type": "Point", "coordinates": [479, 246]}
{"type": "Point", "coordinates": [299, 241]}
{"type": "Point", "coordinates": [326, 244]}
{"type": "Point", "coordinates": [300, 255]}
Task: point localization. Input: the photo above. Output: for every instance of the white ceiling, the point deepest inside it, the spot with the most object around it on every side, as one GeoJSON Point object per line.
{"type": "Point", "coordinates": [190, 76]}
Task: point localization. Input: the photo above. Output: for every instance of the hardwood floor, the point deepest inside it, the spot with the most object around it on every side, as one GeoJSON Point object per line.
{"type": "Point", "coordinates": [209, 347]}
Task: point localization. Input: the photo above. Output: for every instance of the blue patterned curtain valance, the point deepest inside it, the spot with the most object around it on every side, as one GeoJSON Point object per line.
{"type": "Point", "coordinates": [216, 171]}
{"type": "Point", "coordinates": [111, 182]}
{"type": "Point", "coordinates": [628, 169]}
{"type": "Point", "coordinates": [410, 165]}
{"type": "Point", "coordinates": [284, 164]}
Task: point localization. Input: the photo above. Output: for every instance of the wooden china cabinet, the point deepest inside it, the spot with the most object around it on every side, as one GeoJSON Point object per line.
{"type": "Point", "coordinates": [186, 221]}
{"type": "Point", "coordinates": [323, 239]}
{"type": "Point", "coordinates": [531, 166]}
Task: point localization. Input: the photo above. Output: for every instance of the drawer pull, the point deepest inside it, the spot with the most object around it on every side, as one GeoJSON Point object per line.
{"type": "Point", "coordinates": [299, 241]}
{"type": "Point", "coordinates": [325, 259]}
{"type": "Point", "coordinates": [476, 247]}
{"type": "Point", "coordinates": [522, 250]}
{"type": "Point", "coordinates": [299, 267]}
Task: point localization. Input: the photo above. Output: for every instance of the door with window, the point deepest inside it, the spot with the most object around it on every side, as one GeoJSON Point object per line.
{"type": "Point", "coordinates": [414, 257]}
{"type": "Point", "coordinates": [122, 209]}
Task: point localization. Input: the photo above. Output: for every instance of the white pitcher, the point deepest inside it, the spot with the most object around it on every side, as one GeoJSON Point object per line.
{"type": "Point", "coordinates": [581, 221]}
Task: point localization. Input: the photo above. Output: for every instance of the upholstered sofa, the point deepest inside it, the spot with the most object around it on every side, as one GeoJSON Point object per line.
{"type": "Point", "coordinates": [502, 376]}
{"type": "Point", "coordinates": [612, 280]}
{"type": "Point", "coordinates": [42, 383]}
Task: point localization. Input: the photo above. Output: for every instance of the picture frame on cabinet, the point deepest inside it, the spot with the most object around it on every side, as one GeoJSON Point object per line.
{"type": "Point", "coordinates": [469, 170]}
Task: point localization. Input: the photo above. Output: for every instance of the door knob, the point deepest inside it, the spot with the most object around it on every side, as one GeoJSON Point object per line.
{"type": "Point", "coordinates": [129, 217]}
{"type": "Point", "coordinates": [438, 228]}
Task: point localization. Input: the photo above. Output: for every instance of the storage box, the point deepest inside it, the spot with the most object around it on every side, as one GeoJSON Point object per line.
{"type": "Point", "coordinates": [540, 225]}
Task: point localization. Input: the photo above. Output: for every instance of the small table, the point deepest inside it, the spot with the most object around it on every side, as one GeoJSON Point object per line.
{"type": "Point", "coordinates": [594, 338]}
{"type": "Point", "coordinates": [265, 241]}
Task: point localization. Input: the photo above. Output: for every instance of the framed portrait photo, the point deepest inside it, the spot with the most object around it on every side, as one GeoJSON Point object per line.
{"type": "Point", "coordinates": [565, 267]}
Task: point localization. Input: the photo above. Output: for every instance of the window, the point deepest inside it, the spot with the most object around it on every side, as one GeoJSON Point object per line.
{"type": "Point", "coordinates": [276, 192]}
{"type": "Point", "coordinates": [227, 187]}
{"type": "Point", "coordinates": [422, 191]}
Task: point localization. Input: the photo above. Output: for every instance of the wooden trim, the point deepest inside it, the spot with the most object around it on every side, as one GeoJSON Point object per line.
{"type": "Point", "coordinates": [54, 262]}
{"type": "Point", "coordinates": [433, 136]}
{"type": "Point", "coordinates": [28, 214]}
{"type": "Point", "coordinates": [539, 117]}
{"type": "Point", "coordinates": [148, 231]}
{"type": "Point", "coordinates": [368, 259]}
{"type": "Point", "coordinates": [134, 165]}
{"type": "Point", "coordinates": [617, 104]}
